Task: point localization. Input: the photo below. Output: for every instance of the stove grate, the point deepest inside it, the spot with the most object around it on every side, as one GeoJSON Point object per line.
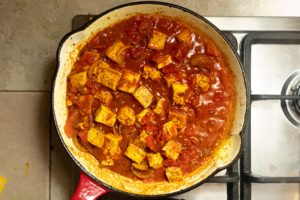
{"type": "Point", "coordinates": [247, 177]}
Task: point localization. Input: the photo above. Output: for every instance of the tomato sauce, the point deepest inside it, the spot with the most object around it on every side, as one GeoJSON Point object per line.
{"type": "Point", "coordinates": [205, 106]}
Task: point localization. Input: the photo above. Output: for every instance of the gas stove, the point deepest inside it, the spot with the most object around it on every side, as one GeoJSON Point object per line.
{"type": "Point", "coordinates": [270, 165]}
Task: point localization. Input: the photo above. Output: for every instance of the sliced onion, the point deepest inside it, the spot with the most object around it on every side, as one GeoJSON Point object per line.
{"type": "Point", "coordinates": [203, 60]}
{"type": "Point", "coordinates": [78, 145]}
{"type": "Point", "coordinates": [115, 130]}
{"type": "Point", "coordinates": [126, 129]}
{"type": "Point", "coordinates": [141, 174]}
{"type": "Point", "coordinates": [93, 70]}
{"type": "Point", "coordinates": [141, 166]}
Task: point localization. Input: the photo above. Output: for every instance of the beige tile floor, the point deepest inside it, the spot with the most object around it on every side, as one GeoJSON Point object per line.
{"type": "Point", "coordinates": [24, 143]}
{"type": "Point", "coordinates": [29, 35]}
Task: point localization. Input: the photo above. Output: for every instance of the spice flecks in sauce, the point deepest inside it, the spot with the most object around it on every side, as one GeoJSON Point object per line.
{"type": "Point", "coordinates": [188, 98]}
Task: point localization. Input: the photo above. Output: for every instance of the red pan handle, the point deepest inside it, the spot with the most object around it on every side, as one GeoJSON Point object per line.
{"type": "Point", "coordinates": [88, 189]}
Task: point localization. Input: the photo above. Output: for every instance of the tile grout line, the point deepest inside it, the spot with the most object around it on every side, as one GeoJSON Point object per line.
{"type": "Point", "coordinates": [45, 91]}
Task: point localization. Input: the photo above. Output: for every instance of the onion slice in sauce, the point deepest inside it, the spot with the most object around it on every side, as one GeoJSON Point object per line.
{"type": "Point", "coordinates": [78, 145]}
{"type": "Point", "coordinates": [141, 166]}
{"type": "Point", "coordinates": [141, 174]}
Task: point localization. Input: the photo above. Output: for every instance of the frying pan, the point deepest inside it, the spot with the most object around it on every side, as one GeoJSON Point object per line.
{"type": "Point", "coordinates": [95, 181]}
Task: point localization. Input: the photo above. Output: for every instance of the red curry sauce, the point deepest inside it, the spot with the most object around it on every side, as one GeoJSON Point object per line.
{"type": "Point", "coordinates": [175, 74]}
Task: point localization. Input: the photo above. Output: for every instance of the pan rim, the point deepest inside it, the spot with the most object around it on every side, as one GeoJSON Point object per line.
{"type": "Point", "coordinates": [82, 28]}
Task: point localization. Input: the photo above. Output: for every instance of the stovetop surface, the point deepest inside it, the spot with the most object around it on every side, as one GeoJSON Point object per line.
{"type": "Point", "coordinates": [32, 158]}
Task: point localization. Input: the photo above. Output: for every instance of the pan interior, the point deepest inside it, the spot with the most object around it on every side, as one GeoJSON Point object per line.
{"type": "Point", "coordinates": [227, 151]}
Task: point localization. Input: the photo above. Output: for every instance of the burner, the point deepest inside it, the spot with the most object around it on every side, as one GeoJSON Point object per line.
{"type": "Point", "coordinates": [297, 102]}
{"type": "Point", "coordinates": [291, 108]}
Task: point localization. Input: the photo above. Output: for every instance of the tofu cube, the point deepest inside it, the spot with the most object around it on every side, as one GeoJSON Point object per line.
{"type": "Point", "coordinates": [78, 80]}
{"type": "Point", "coordinates": [203, 82]}
{"type": "Point", "coordinates": [69, 103]}
{"type": "Point", "coordinates": [169, 130]}
{"type": "Point", "coordinates": [170, 80]}
{"type": "Point", "coordinates": [143, 135]}
{"type": "Point", "coordinates": [96, 68]}
{"type": "Point", "coordinates": [174, 77]}
{"type": "Point", "coordinates": [95, 137]}
{"type": "Point", "coordinates": [144, 96]}
{"type": "Point", "coordinates": [141, 140]}
{"type": "Point", "coordinates": [157, 41]}
{"type": "Point", "coordinates": [185, 37]}
{"type": "Point", "coordinates": [172, 149]}
{"type": "Point", "coordinates": [142, 115]}
{"type": "Point", "coordinates": [163, 60]}
{"type": "Point", "coordinates": [155, 160]}
{"type": "Point", "coordinates": [134, 153]}
{"type": "Point", "coordinates": [112, 146]}
{"type": "Point", "coordinates": [109, 78]}
{"type": "Point", "coordinates": [105, 116]}
{"type": "Point", "coordinates": [107, 162]}
{"type": "Point", "coordinates": [173, 174]}
{"type": "Point", "coordinates": [129, 81]}
{"type": "Point", "coordinates": [160, 107]}
{"type": "Point", "coordinates": [126, 116]}
{"type": "Point", "coordinates": [178, 117]}
{"type": "Point", "coordinates": [179, 90]}
{"type": "Point", "coordinates": [115, 51]}
{"type": "Point", "coordinates": [152, 73]}
{"type": "Point", "coordinates": [104, 96]}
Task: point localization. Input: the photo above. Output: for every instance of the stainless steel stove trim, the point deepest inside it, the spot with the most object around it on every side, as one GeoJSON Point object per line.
{"type": "Point", "coordinates": [248, 24]}
{"type": "Point", "coordinates": [233, 24]}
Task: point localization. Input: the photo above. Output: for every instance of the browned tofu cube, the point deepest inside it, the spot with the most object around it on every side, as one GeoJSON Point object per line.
{"type": "Point", "coordinates": [115, 52]}
{"type": "Point", "coordinates": [126, 116]}
{"type": "Point", "coordinates": [105, 116]}
{"type": "Point", "coordinates": [134, 153]}
{"type": "Point", "coordinates": [78, 80]}
{"type": "Point", "coordinates": [141, 140]}
{"type": "Point", "coordinates": [143, 135]}
{"type": "Point", "coordinates": [174, 77]}
{"type": "Point", "coordinates": [173, 174]}
{"type": "Point", "coordinates": [185, 37]}
{"type": "Point", "coordinates": [203, 82]}
{"type": "Point", "coordinates": [160, 107]}
{"type": "Point", "coordinates": [108, 162]}
{"type": "Point", "coordinates": [178, 117]}
{"type": "Point", "coordinates": [172, 149]}
{"type": "Point", "coordinates": [154, 160]}
{"type": "Point", "coordinates": [109, 78]}
{"type": "Point", "coordinates": [104, 96]}
{"type": "Point", "coordinates": [179, 90]}
{"type": "Point", "coordinates": [144, 96]}
{"type": "Point", "coordinates": [142, 116]}
{"type": "Point", "coordinates": [129, 81]}
{"type": "Point", "coordinates": [112, 146]}
{"type": "Point", "coordinates": [69, 103]}
{"type": "Point", "coordinates": [163, 60]}
{"type": "Point", "coordinates": [96, 137]}
{"type": "Point", "coordinates": [157, 41]}
{"type": "Point", "coordinates": [152, 73]}
{"type": "Point", "coordinates": [169, 130]}
{"type": "Point", "coordinates": [96, 68]}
